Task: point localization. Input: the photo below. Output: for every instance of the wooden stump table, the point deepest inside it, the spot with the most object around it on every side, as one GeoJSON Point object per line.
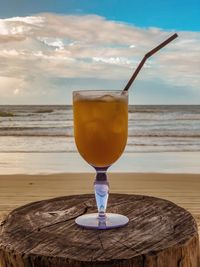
{"type": "Point", "coordinates": [44, 234]}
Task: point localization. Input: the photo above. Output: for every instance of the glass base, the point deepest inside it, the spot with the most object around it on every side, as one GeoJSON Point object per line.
{"type": "Point", "coordinates": [92, 221]}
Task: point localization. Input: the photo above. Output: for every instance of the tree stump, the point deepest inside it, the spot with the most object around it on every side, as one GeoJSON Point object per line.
{"type": "Point", "coordinates": [44, 234]}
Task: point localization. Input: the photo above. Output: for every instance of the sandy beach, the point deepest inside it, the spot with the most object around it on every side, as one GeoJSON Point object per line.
{"type": "Point", "coordinates": [182, 189]}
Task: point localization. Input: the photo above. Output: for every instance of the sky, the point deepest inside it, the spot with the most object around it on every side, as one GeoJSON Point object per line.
{"type": "Point", "coordinates": [50, 48]}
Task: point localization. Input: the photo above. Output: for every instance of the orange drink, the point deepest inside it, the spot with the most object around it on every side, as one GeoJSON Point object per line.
{"type": "Point", "coordinates": [100, 125]}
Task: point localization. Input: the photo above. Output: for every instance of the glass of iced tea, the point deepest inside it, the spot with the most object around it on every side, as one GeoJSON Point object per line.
{"type": "Point", "coordinates": [100, 131]}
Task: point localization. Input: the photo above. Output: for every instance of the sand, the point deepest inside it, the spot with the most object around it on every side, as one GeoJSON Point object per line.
{"type": "Point", "coordinates": [182, 189]}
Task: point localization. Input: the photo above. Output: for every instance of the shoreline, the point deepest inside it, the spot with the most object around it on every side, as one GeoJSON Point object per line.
{"type": "Point", "coordinates": [34, 175]}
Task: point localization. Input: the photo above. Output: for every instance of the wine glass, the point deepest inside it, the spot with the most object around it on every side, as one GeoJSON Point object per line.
{"type": "Point", "coordinates": [100, 131]}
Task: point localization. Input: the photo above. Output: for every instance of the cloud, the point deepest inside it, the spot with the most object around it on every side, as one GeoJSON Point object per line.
{"type": "Point", "coordinates": [9, 85]}
{"type": "Point", "coordinates": [35, 50]}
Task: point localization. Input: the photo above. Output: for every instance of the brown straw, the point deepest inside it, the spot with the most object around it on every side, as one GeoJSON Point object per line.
{"type": "Point", "coordinates": [149, 54]}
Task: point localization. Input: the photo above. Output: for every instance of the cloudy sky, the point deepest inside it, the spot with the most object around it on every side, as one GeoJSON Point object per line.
{"type": "Point", "coordinates": [50, 48]}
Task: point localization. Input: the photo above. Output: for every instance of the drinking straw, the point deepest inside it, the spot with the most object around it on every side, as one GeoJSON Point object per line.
{"type": "Point", "coordinates": [149, 54]}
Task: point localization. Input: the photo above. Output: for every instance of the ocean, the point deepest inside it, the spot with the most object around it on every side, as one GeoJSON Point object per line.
{"type": "Point", "coordinates": [49, 129]}
{"type": "Point", "coordinates": [39, 139]}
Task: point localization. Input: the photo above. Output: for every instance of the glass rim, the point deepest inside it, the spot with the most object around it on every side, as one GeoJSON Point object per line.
{"type": "Point", "coordinates": [99, 91]}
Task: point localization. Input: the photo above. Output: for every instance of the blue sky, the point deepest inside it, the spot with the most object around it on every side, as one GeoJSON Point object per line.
{"type": "Point", "coordinates": [166, 14]}
{"type": "Point", "coordinates": [49, 48]}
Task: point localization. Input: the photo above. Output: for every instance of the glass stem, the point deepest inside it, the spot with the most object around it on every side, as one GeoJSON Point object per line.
{"type": "Point", "coordinates": [101, 188]}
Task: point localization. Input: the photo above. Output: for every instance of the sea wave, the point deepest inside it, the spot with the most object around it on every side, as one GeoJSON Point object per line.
{"type": "Point", "coordinates": [44, 110]}
{"type": "Point", "coordinates": [70, 134]}
{"type": "Point", "coordinates": [188, 135]}
{"type": "Point", "coordinates": [36, 131]}
{"type": "Point", "coordinates": [6, 114]}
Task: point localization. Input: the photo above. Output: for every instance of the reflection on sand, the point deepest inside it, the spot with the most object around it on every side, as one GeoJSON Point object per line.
{"type": "Point", "coordinates": [36, 163]}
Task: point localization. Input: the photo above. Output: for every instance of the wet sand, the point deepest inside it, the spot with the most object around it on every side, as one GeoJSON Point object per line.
{"type": "Point", "coordinates": [47, 163]}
